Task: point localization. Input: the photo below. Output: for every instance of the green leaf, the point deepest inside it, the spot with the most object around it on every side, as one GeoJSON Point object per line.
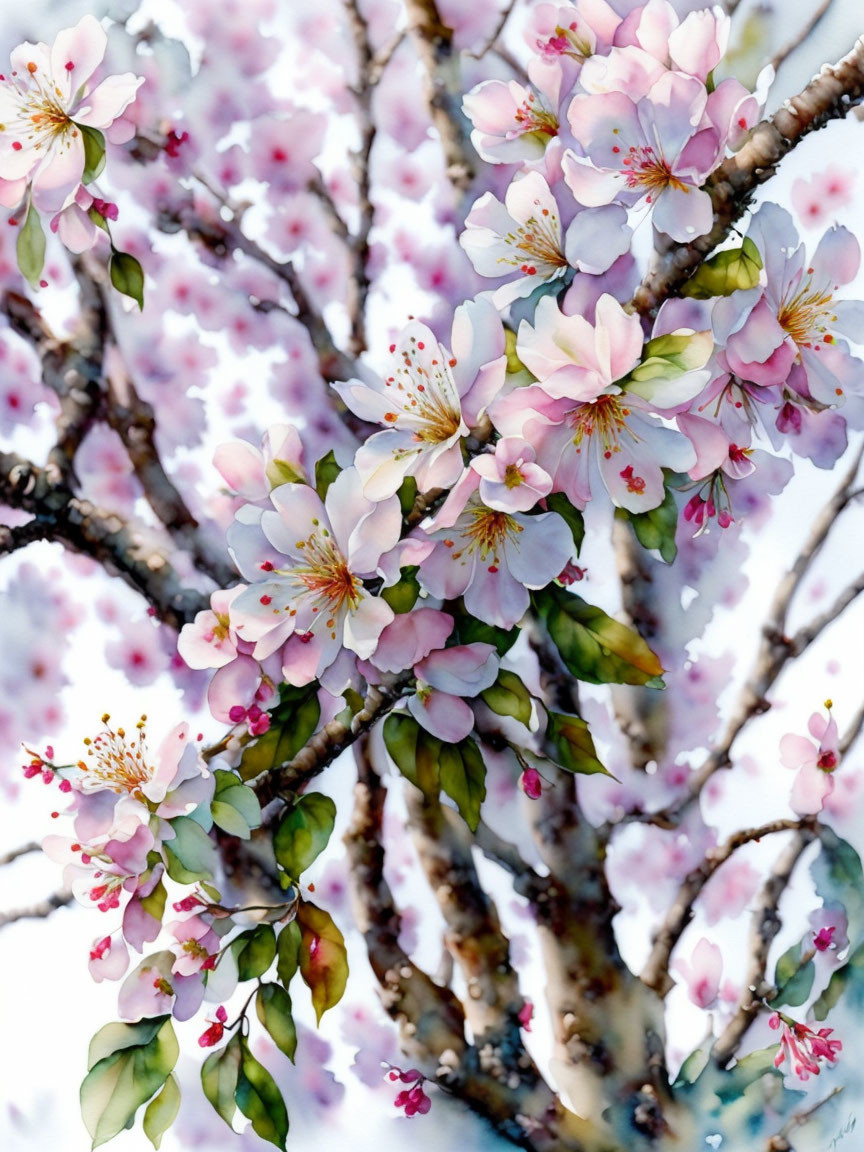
{"type": "Point", "coordinates": [30, 248]}
{"type": "Point", "coordinates": [414, 751]}
{"type": "Point", "coordinates": [574, 745]}
{"type": "Point", "coordinates": [793, 979]}
{"type": "Point", "coordinates": [288, 953]}
{"type": "Point", "coordinates": [667, 357]}
{"type": "Point", "coordinates": [304, 832]}
{"type": "Point", "coordinates": [471, 631]}
{"type": "Point", "coordinates": [463, 778]}
{"type": "Point", "coordinates": [191, 855]}
{"type": "Point", "coordinates": [260, 1100]}
{"type": "Point", "coordinates": [747, 1071]}
{"type": "Point", "coordinates": [326, 471]}
{"type": "Point", "coordinates": [119, 1083]}
{"type": "Point", "coordinates": [162, 1111]}
{"type": "Point", "coordinates": [847, 982]}
{"type": "Point", "coordinates": [735, 269]}
{"type": "Point", "coordinates": [219, 1075]}
{"type": "Point", "coordinates": [273, 1005]}
{"type": "Point", "coordinates": [508, 696]}
{"type": "Point", "coordinates": [279, 472]}
{"type": "Point", "coordinates": [154, 904]}
{"type": "Point", "coordinates": [115, 1037]}
{"type": "Point", "coordinates": [94, 152]}
{"type": "Point", "coordinates": [838, 875]}
{"type": "Point", "coordinates": [254, 951]}
{"type": "Point", "coordinates": [656, 528]}
{"type": "Point", "coordinates": [693, 1066]}
{"type": "Point", "coordinates": [292, 722]}
{"type": "Point", "coordinates": [596, 648]}
{"type": "Point", "coordinates": [402, 596]}
{"type": "Point", "coordinates": [235, 807]}
{"type": "Point", "coordinates": [127, 276]}
{"type": "Point", "coordinates": [323, 957]}
{"type": "Point", "coordinates": [407, 494]}
{"type": "Point", "coordinates": [558, 502]}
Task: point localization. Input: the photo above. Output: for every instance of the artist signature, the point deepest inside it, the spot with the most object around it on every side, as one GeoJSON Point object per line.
{"type": "Point", "coordinates": [848, 1127]}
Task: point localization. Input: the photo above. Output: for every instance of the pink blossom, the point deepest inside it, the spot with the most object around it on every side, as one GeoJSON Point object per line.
{"type": "Point", "coordinates": [493, 558]}
{"type": "Point", "coordinates": [109, 959]}
{"type": "Point", "coordinates": [803, 1047]}
{"type": "Point", "coordinates": [648, 151]}
{"type": "Point", "coordinates": [217, 1027]}
{"type": "Point", "coordinates": [313, 594]}
{"type": "Point", "coordinates": [209, 641]}
{"type": "Point", "coordinates": [526, 1014]}
{"type": "Point", "coordinates": [510, 480]}
{"type": "Point", "coordinates": [512, 121]}
{"type": "Point", "coordinates": [252, 472]}
{"type": "Point", "coordinates": [46, 99]}
{"type": "Point", "coordinates": [814, 763]}
{"type": "Point", "coordinates": [524, 236]}
{"type": "Point", "coordinates": [444, 679]}
{"type": "Point", "coordinates": [531, 783]}
{"type": "Point", "coordinates": [816, 200]}
{"type": "Point", "coordinates": [413, 1099]}
{"type": "Point", "coordinates": [702, 973]}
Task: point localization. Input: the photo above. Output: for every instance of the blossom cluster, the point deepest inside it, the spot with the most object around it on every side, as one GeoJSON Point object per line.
{"type": "Point", "coordinates": [139, 816]}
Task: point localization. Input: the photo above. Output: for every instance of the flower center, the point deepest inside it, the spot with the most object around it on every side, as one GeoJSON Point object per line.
{"type": "Point", "coordinates": [533, 116]}
{"type": "Point", "coordinates": [804, 316]}
{"type": "Point", "coordinates": [116, 762]}
{"type": "Point", "coordinates": [650, 172]}
{"type": "Point", "coordinates": [566, 42]}
{"type": "Point", "coordinates": [424, 396]}
{"type": "Point", "coordinates": [41, 116]}
{"type": "Point", "coordinates": [605, 418]}
{"type": "Point", "coordinates": [325, 577]}
{"type": "Point", "coordinates": [487, 531]}
{"type": "Point", "coordinates": [513, 476]}
{"type": "Point", "coordinates": [536, 244]}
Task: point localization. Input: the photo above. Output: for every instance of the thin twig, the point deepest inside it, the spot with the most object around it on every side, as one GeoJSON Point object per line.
{"type": "Point", "coordinates": [38, 911]}
{"type": "Point", "coordinates": [780, 1142]}
{"type": "Point", "coordinates": [786, 51]}
{"type": "Point", "coordinates": [656, 971]}
{"type": "Point", "coordinates": [495, 33]}
{"type": "Point", "coordinates": [16, 853]}
{"type": "Point", "coordinates": [765, 925]}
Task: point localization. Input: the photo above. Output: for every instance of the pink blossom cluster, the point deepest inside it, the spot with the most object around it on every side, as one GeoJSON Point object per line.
{"type": "Point", "coordinates": [54, 118]}
{"type": "Point", "coordinates": [803, 1047]}
{"type": "Point", "coordinates": [124, 798]}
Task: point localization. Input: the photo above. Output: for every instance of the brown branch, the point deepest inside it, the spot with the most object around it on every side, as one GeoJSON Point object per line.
{"type": "Point", "coordinates": [852, 732]}
{"type": "Point", "coordinates": [656, 971]}
{"type": "Point", "coordinates": [765, 925]}
{"type": "Point", "coordinates": [17, 853]}
{"type": "Point", "coordinates": [431, 1018]}
{"type": "Point", "coordinates": [38, 911]}
{"type": "Point", "coordinates": [493, 36]}
{"type": "Point", "coordinates": [780, 1142]}
{"type": "Point", "coordinates": [122, 548]}
{"type": "Point", "coordinates": [528, 883]}
{"type": "Point", "coordinates": [474, 934]}
{"type": "Point", "coordinates": [433, 41]}
{"type": "Point", "coordinates": [333, 739]}
{"type": "Point", "coordinates": [19, 536]}
{"type": "Point", "coordinates": [775, 648]}
{"type": "Point", "coordinates": [831, 95]}
{"type": "Point", "coordinates": [71, 368]}
{"type": "Point", "coordinates": [358, 244]}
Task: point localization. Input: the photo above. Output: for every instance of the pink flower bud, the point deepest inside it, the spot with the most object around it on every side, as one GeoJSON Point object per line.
{"type": "Point", "coordinates": [530, 782]}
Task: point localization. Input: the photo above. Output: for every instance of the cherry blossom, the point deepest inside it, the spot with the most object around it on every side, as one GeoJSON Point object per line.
{"type": "Point", "coordinates": [652, 152]}
{"type": "Point", "coordinates": [814, 762]}
{"type": "Point", "coordinates": [702, 973]}
{"type": "Point", "coordinates": [512, 121]}
{"type": "Point", "coordinates": [314, 593]}
{"type": "Point", "coordinates": [803, 1047]}
{"type": "Point", "coordinates": [46, 101]}
{"type": "Point", "coordinates": [493, 558]}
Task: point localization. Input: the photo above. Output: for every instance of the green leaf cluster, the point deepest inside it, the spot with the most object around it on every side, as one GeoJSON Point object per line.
{"type": "Point", "coordinates": [234, 807]}
{"type": "Point", "coordinates": [434, 766]}
{"type": "Point", "coordinates": [232, 1078]}
{"type": "Point", "coordinates": [292, 722]}
{"type": "Point", "coordinates": [127, 1065]}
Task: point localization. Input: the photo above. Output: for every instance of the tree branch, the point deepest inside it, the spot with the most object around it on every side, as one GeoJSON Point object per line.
{"type": "Point", "coordinates": [122, 548]}
{"type": "Point", "coordinates": [830, 96]}
{"type": "Point", "coordinates": [765, 925]}
{"type": "Point", "coordinates": [433, 41]}
{"type": "Point", "coordinates": [656, 971]}
{"type": "Point", "coordinates": [17, 853]}
{"type": "Point", "coordinates": [38, 911]}
{"type": "Point", "coordinates": [333, 739]}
